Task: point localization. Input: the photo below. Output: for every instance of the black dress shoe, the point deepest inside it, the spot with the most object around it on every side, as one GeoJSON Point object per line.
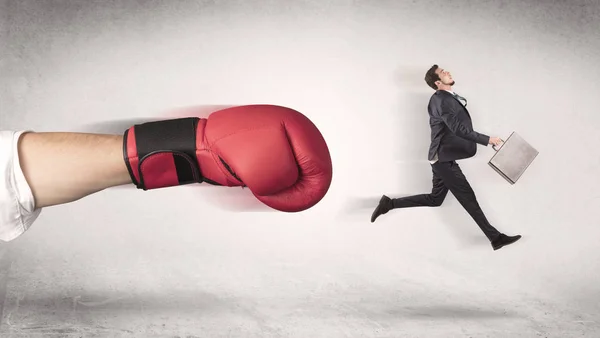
{"type": "Point", "coordinates": [385, 205]}
{"type": "Point", "coordinates": [503, 240]}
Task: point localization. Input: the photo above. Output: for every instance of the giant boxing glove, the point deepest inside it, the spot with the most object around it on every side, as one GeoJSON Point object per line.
{"type": "Point", "coordinates": [277, 152]}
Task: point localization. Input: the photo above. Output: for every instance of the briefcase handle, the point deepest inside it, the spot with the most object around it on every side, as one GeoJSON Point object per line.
{"type": "Point", "coordinates": [494, 146]}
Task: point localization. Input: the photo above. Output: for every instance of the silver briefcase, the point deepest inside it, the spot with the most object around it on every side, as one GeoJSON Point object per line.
{"type": "Point", "coordinates": [513, 157]}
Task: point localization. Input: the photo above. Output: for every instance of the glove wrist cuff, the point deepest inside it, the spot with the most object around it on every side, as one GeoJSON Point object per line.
{"type": "Point", "coordinates": [162, 153]}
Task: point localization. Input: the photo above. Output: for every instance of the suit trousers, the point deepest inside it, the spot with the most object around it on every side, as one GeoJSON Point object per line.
{"type": "Point", "coordinates": [447, 176]}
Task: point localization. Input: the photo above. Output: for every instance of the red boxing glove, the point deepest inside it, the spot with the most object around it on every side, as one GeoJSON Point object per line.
{"type": "Point", "coordinates": [277, 152]}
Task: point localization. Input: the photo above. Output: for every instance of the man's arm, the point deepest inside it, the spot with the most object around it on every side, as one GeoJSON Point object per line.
{"type": "Point", "coordinates": [455, 125]}
{"type": "Point", "coordinates": [64, 167]}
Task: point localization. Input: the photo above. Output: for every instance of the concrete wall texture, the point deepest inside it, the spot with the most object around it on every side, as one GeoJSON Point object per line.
{"type": "Point", "coordinates": [181, 262]}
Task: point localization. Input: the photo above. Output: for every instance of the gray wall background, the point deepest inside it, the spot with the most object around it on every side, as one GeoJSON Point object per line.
{"type": "Point", "coordinates": [186, 261]}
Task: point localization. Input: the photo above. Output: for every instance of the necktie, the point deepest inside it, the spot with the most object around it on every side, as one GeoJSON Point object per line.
{"type": "Point", "coordinates": [458, 97]}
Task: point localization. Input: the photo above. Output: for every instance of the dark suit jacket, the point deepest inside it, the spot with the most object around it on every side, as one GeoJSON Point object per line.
{"type": "Point", "coordinates": [452, 134]}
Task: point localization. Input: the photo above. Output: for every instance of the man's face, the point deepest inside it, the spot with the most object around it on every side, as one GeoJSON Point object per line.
{"type": "Point", "coordinates": [445, 77]}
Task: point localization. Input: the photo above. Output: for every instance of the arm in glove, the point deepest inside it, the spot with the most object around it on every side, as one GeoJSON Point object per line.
{"type": "Point", "coordinates": [277, 152]}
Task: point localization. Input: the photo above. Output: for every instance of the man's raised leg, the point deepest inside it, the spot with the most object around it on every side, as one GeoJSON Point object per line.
{"type": "Point", "coordinates": [434, 199]}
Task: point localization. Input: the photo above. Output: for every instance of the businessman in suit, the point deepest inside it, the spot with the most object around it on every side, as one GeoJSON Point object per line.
{"type": "Point", "coordinates": [452, 139]}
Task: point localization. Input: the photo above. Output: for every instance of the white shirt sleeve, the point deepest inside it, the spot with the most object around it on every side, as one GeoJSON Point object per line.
{"type": "Point", "coordinates": [17, 204]}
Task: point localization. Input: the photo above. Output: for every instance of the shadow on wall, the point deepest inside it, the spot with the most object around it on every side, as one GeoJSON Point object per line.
{"type": "Point", "coordinates": [411, 141]}
{"type": "Point", "coordinates": [119, 126]}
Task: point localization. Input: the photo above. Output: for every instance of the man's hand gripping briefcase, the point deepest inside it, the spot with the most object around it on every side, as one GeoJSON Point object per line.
{"type": "Point", "coordinates": [513, 158]}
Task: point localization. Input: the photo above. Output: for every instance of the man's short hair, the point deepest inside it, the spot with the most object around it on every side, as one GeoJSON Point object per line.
{"type": "Point", "coordinates": [431, 77]}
